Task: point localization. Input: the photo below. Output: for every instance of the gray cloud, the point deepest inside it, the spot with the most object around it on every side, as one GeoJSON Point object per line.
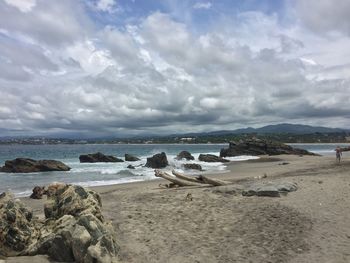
{"type": "Point", "coordinates": [156, 75]}
{"type": "Point", "coordinates": [325, 15]}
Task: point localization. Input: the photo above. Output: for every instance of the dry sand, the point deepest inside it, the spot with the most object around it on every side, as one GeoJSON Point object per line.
{"type": "Point", "coordinates": [162, 225]}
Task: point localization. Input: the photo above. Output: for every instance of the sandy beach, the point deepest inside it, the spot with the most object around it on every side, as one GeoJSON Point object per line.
{"type": "Point", "coordinates": [154, 224]}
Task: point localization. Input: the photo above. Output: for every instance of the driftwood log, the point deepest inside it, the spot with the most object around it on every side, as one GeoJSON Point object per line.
{"type": "Point", "coordinates": [187, 177]}
{"type": "Point", "coordinates": [185, 180]}
{"type": "Point", "coordinates": [175, 180]}
{"type": "Point", "coordinates": [212, 181]}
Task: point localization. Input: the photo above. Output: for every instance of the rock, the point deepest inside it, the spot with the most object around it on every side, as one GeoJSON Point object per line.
{"type": "Point", "coordinates": [74, 229]}
{"type": "Point", "coordinates": [130, 166]}
{"type": "Point", "coordinates": [184, 155]}
{"type": "Point", "coordinates": [193, 166]}
{"type": "Point", "coordinates": [271, 189]}
{"type": "Point", "coordinates": [38, 192]}
{"type": "Point", "coordinates": [131, 158]}
{"type": "Point", "coordinates": [73, 200]}
{"type": "Point", "coordinates": [158, 160]}
{"type": "Point", "coordinates": [17, 227]}
{"type": "Point", "coordinates": [98, 157]}
{"type": "Point", "coordinates": [26, 165]}
{"type": "Point", "coordinates": [211, 158]}
{"type": "Point", "coordinates": [261, 147]}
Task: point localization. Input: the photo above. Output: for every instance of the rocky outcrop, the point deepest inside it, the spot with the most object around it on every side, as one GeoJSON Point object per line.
{"type": "Point", "coordinates": [193, 166]}
{"type": "Point", "coordinates": [73, 200]}
{"type": "Point", "coordinates": [98, 157]}
{"type": "Point", "coordinates": [260, 147]}
{"type": "Point", "coordinates": [74, 229]}
{"type": "Point", "coordinates": [158, 160]}
{"type": "Point", "coordinates": [210, 158]}
{"type": "Point", "coordinates": [26, 165]}
{"type": "Point", "coordinates": [17, 228]}
{"type": "Point", "coordinates": [270, 189]}
{"type": "Point", "coordinates": [184, 155]}
{"type": "Point", "coordinates": [130, 166]}
{"type": "Point", "coordinates": [131, 158]}
{"type": "Point", "coordinates": [38, 192]}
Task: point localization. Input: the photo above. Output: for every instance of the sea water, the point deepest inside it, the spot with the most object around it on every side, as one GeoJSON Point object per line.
{"type": "Point", "coordinates": [96, 174]}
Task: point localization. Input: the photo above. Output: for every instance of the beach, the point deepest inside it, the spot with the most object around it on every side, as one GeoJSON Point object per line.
{"type": "Point", "coordinates": [154, 224]}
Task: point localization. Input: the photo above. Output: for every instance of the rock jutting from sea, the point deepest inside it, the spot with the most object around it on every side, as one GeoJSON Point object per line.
{"type": "Point", "coordinates": [74, 229]}
{"type": "Point", "coordinates": [99, 157]}
{"type": "Point", "coordinates": [184, 155]}
{"type": "Point", "coordinates": [158, 160]}
{"type": "Point", "coordinates": [26, 165]}
{"type": "Point", "coordinates": [131, 158]}
{"type": "Point", "coordinates": [211, 158]}
{"type": "Point", "coordinates": [260, 147]}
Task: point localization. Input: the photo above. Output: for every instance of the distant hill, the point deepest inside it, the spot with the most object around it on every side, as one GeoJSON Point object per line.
{"type": "Point", "coordinates": [277, 128]}
{"type": "Point", "coordinates": [290, 128]}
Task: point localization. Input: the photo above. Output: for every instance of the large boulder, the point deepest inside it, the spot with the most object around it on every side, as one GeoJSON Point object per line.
{"type": "Point", "coordinates": [74, 229]}
{"type": "Point", "coordinates": [98, 157]}
{"type": "Point", "coordinates": [158, 160]}
{"type": "Point", "coordinates": [17, 227]}
{"type": "Point", "coordinates": [211, 158]}
{"type": "Point", "coordinates": [26, 165]}
{"type": "Point", "coordinates": [77, 239]}
{"type": "Point", "coordinates": [72, 200]}
{"type": "Point", "coordinates": [131, 158]}
{"type": "Point", "coordinates": [184, 155]}
{"type": "Point", "coordinates": [260, 147]}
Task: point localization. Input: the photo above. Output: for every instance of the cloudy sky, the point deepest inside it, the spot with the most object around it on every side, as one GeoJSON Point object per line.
{"type": "Point", "coordinates": [126, 67]}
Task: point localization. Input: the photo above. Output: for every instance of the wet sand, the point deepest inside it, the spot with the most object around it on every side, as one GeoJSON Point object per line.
{"type": "Point", "coordinates": [162, 225]}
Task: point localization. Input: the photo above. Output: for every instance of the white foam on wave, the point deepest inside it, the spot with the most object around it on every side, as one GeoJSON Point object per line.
{"type": "Point", "coordinates": [242, 158]}
{"type": "Point", "coordinates": [24, 193]}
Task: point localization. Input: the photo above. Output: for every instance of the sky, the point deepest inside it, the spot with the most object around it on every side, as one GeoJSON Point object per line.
{"type": "Point", "coordinates": [129, 67]}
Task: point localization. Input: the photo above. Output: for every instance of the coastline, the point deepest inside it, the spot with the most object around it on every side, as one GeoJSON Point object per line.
{"type": "Point", "coordinates": [310, 225]}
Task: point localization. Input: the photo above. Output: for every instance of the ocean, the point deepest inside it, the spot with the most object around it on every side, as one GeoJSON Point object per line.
{"type": "Point", "coordinates": [96, 174]}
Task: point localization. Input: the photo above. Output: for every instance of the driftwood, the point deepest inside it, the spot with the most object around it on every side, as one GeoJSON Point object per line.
{"type": "Point", "coordinates": [212, 181]}
{"type": "Point", "coordinates": [186, 177]}
{"type": "Point", "coordinates": [175, 180]}
{"type": "Point", "coordinates": [185, 180]}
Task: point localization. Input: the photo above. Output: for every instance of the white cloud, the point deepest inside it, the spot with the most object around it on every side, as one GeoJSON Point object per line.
{"type": "Point", "coordinates": [23, 5]}
{"type": "Point", "coordinates": [157, 74]}
{"type": "Point", "coordinates": [106, 5]}
{"type": "Point", "coordinates": [92, 60]}
{"type": "Point", "coordinates": [202, 5]}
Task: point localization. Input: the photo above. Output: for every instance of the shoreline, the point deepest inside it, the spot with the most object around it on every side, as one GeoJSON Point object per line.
{"type": "Point", "coordinates": [154, 224]}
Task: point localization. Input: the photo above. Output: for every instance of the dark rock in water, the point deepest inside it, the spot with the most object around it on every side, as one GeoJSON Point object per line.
{"type": "Point", "coordinates": [185, 155]}
{"type": "Point", "coordinates": [131, 166]}
{"type": "Point", "coordinates": [210, 158]}
{"type": "Point", "coordinates": [158, 160]}
{"type": "Point", "coordinates": [17, 229]}
{"type": "Point", "coordinates": [193, 166]}
{"type": "Point", "coordinates": [131, 158]}
{"type": "Point", "coordinates": [38, 192]}
{"type": "Point", "coordinates": [261, 147]}
{"type": "Point", "coordinates": [98, 157]}
{"type": "Point", "coordinates": [26, 165]}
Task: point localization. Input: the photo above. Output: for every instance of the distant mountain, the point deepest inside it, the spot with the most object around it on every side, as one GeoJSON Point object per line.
{"type": "Point", "coordinates": [290, 128]}
{"type": "Point", "coordinates": [277, 128]}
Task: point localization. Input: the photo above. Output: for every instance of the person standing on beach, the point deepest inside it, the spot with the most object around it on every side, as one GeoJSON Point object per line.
{"type": "Point", "coordinates": [338, 154]}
